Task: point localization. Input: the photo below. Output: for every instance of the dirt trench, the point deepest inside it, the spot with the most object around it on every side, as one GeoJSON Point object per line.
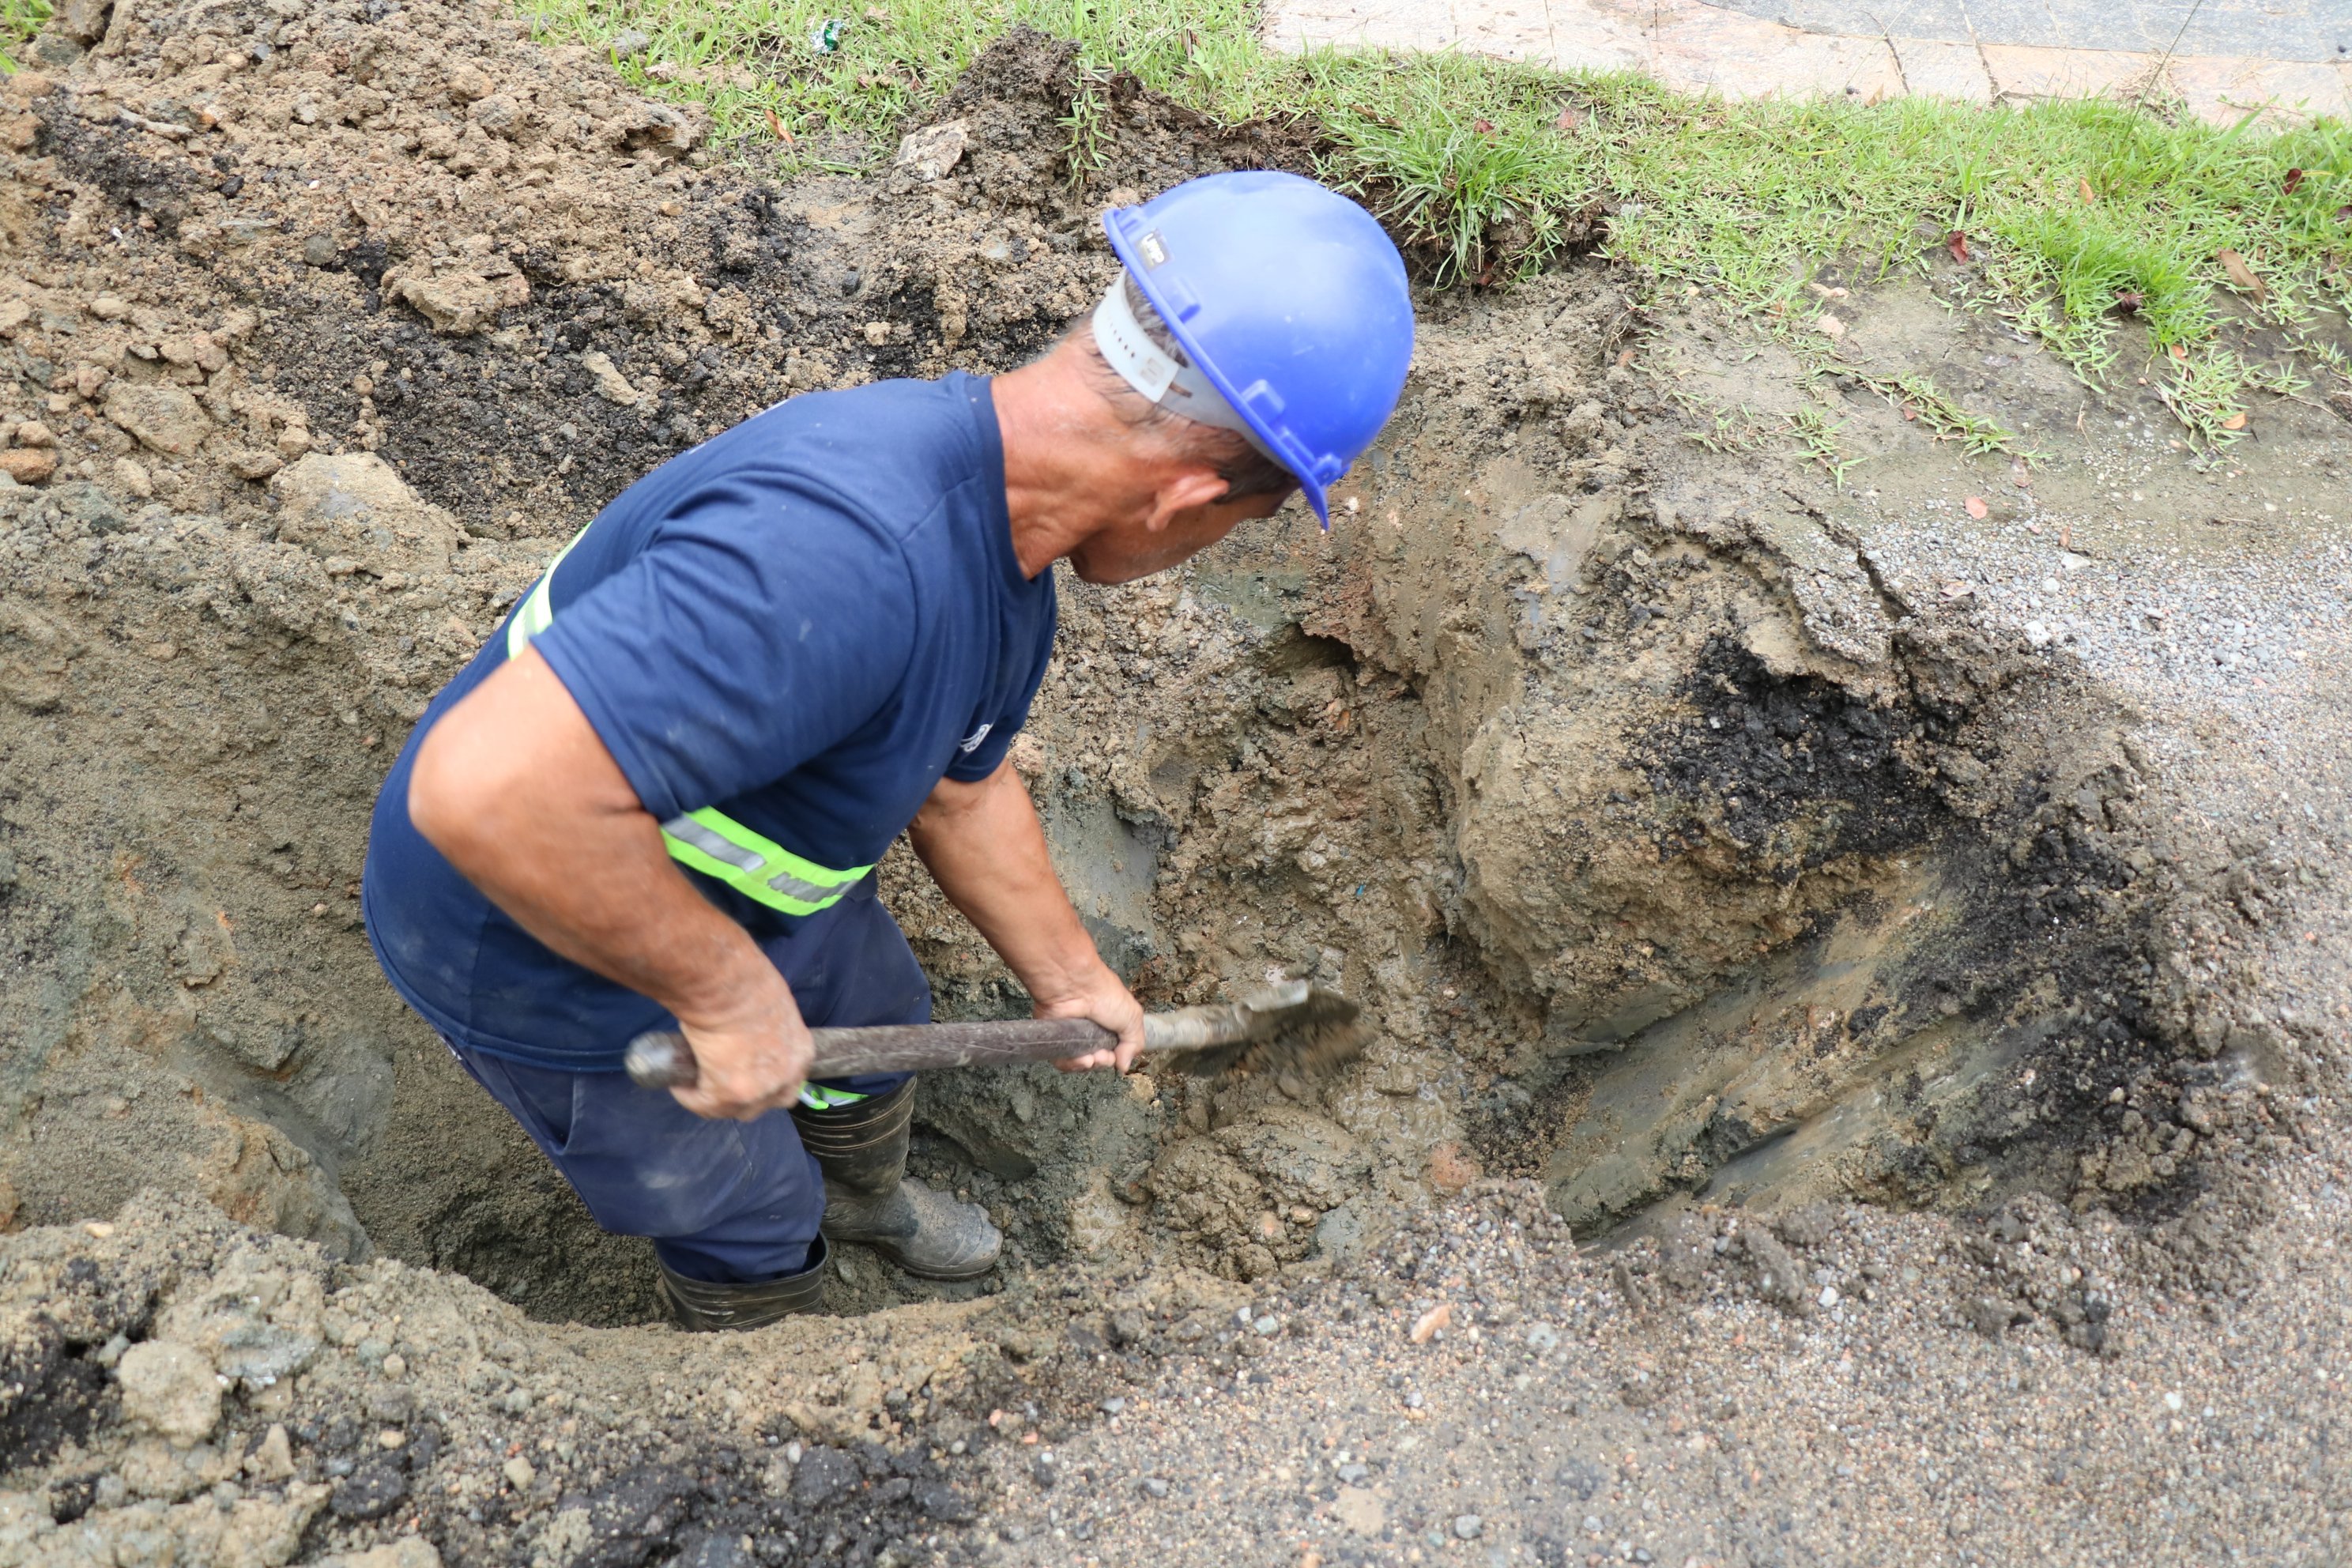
{"type": "Point", "coordinates": [1673, 854]}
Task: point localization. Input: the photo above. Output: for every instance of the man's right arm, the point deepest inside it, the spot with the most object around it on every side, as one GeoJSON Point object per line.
{"type": "Point", "coordinates": [515, 788]}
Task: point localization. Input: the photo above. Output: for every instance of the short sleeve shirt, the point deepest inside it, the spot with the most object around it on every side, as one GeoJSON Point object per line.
{"type": "Point", "coordinates": [804, 623]}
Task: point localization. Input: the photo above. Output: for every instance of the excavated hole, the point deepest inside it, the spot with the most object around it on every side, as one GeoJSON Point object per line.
{"type": "Point", "coordinates": [1705, 929]}
{"type": "Point", "coordinates": [1651, 886]}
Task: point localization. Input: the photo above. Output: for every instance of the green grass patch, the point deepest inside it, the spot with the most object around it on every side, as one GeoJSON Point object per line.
{"type": "Point", "coordinates": [19, 20]}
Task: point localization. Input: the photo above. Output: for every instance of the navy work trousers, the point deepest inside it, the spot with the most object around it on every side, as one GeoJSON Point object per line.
{"type": "Point", "coordinates": [722, 1201]}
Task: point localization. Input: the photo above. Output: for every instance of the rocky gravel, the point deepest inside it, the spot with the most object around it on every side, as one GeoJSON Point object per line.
{"type": "Point", "coordinates": [1483, 1392]}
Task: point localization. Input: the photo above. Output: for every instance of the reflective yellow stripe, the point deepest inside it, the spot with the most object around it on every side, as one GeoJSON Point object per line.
{"type": "Point", "coordinates": [538, 611]}
{"type": "Point", "coordinates": [710, 841]}
{"type": "Point", "coordinates": [718, 846]}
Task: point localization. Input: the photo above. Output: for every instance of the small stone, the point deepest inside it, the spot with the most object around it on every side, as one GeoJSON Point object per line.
{"type": "Point", "coordinates": [273, 1460]}
{"type": "Point", "coordinates": [171, 1390]}
{"type": "Point", "coordinates": [395, 1365]}
{"type": "Point", "coordinates": [519, 1473]}
{"type": "Point", "coordinates": [391, 1438]}
{"type": "Point", "coordinates": [33, 433]}
{"type": "Point", "coordinates": [629, 42]}
{"type": "Point", "coordinates": [27, 465]}
{"type": "Point", "coordinates": [110, 307]}
{"type": "Point", "coordinates": [294, 441]}
{"type": "Point", "coordinates": [721, 1550]}
{"type": "Point", "coordinates": [497, 114]}
{"type": "Point", "coordinates": [1113, 1406]}
{"type": "Point", "coordinates": [1468, 1527]}
{"type": "Point", "coordinates": [370, 1492]}
{"type": "Point", "coordinates": [390, 1406]}
{"type": "Point", "coordinates": [1154, 1487]}
{"type": "Point", "coordinates": [408, 1552]}
{"type": "Point", "coordinates": [929, 152]}
{"type": "Point", "coordinates": [822, 1474]}
{"type": "Point", "coordinates": [1450, 1169]}
{"type": "Point", "coordinates": [134, 479]}
{"type": "Point", "coordinates": [1829, 1297]}
{"type": "Point", "coordinates": [458, 296]}
{"type": "Point", "coordinates": [1354, 1475]}
{"type": "Point", "coordinates": [319, 249]}
{"type": "Point", "coordinates": [468, 82]}
{"type": "Point", "coordinates": [1358, 1511]}
{"type": "Point", "coordinates": [166, 419]}
{"type": "Point", "coordinates": [878, 333]}
{"type": "Point", "coordinates": [1267, 1326]}
{"type": "Point", "coordinates": [1988, 1315]}
{"type": "Point", "coordinates": [1413, 1401]}
{"type": "Point", "coordinates": [1426, 1326]}
{"type": "Point", "coordinates": [611, 384]}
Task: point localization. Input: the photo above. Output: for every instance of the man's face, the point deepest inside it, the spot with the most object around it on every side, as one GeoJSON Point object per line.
{"type": "Point", "coordinates": [1123, 553]}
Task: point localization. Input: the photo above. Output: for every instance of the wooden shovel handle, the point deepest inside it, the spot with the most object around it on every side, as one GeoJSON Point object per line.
{"type": "Point", "coordinates": [661, 1058]}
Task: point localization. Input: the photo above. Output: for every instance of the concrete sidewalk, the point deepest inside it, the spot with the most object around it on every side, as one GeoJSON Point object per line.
{"type": "Point", "coordinates": [2284, 59]}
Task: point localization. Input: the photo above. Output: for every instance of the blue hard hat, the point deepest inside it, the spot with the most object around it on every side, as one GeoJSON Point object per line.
{"type": "Point", "coordinates": [1290, 299]}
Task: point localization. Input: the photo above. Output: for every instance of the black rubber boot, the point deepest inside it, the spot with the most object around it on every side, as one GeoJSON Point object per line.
{"type": "Point", "coordinates": [869, 1198]}
{"type": "Point", "coordinates": [703, 1307]}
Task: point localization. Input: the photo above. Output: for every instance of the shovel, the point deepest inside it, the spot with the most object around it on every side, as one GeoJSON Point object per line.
{"type": "Point", "coordinates": [1292, 1027]}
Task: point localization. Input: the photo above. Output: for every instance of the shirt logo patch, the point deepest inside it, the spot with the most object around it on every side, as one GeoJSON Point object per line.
{"type": "Point", "coordinates": [971, 743]}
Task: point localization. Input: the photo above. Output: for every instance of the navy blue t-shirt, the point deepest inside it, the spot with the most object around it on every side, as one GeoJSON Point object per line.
{"type": "Point", "coordinates": [804, 623]}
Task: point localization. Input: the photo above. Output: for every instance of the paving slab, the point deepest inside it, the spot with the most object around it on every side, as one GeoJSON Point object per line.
{"type": "Point", "coordinates": [2284, 60]}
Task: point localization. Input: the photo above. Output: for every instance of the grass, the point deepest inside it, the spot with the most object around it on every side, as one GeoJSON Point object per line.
{"type": "Point", "coordinates": [19, 20]}
{"type": "Point", "coordinates": [2073, 219]}
{"type": "Point", "coordinates": [1918, 397]}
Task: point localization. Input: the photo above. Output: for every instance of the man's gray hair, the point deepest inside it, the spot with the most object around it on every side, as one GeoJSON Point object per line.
{"type": "Point", "coordinates": [1246, 470]}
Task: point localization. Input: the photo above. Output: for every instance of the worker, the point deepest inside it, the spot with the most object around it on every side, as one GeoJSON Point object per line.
{"type": "Point", "coordinates": [657, 799]}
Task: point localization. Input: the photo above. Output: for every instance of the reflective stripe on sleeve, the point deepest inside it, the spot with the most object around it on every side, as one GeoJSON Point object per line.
{"type": "Point", "coordinates": [818, 1098]}
{"type": "Point", "coordinates": [759, 869]}
{"type": "Point", "coordinates": [538, 611]}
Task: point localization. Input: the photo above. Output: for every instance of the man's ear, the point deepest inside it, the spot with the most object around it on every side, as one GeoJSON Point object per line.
{"type": "Point", "coordinates": [1193, 485]}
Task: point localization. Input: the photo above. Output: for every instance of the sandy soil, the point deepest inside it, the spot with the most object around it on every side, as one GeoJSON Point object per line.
{"type": "Point", "coordinates": [1902, 948]}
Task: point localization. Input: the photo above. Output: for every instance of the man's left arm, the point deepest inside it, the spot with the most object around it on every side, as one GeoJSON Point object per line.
{"type": "Point", "coordinates": [986, 848]}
